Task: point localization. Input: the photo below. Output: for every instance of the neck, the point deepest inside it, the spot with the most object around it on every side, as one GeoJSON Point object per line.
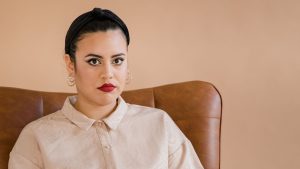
{"type": "Point", "coordinates": [93, 110]}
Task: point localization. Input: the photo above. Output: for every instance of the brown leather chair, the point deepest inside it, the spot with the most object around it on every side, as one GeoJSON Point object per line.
{"type": "Point", "coordinates": [195, 106]}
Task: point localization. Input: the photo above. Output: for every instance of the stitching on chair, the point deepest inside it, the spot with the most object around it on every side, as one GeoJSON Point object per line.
{"type": "Point", "coordinates": [154, 99]}
{"type": "Point", "coordinates": [42, 105]}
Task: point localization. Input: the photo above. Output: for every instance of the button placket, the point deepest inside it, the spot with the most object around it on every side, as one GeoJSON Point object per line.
{"type": "Point", "coordinates": [103, 135]}
{"type": "Point", "coordinates": [104, 139]}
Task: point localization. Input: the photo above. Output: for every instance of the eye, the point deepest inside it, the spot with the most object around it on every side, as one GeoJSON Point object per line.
{"type": "Point", "coordinates": [118, 61]}
{"type": "Point", "coordinates": [93, 61]}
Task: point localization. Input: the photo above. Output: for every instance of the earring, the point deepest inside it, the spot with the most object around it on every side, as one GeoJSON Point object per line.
{"type": "Point", "coordinates": [70, 80]}
{"type": "Point", "coordinates": [129, 77]}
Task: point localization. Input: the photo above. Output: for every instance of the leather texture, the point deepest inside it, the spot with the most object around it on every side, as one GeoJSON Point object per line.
{"type": "Point", "coordinates": [195, 106]}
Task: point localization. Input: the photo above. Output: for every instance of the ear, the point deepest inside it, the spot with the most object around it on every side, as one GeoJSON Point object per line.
{"type": "Point", "coordinates": [69, 64]}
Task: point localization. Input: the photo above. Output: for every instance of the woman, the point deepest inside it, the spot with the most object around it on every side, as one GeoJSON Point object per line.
{"type": "Point", "coordinates": [96, 129]}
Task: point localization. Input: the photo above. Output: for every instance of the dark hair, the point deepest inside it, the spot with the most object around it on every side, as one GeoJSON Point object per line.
{"type": "Point", "coordinates": [92, 21]}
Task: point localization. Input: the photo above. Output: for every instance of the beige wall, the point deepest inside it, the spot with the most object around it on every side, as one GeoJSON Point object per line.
{"type": "Point", "coordinates": [248, 48]}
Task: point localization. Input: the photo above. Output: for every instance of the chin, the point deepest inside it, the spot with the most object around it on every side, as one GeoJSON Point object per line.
{"type": "Point", "coordinates": [106, 99]}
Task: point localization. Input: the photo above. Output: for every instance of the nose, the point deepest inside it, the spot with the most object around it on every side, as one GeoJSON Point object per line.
{"type": "Point", "coordinates": [107, 72]}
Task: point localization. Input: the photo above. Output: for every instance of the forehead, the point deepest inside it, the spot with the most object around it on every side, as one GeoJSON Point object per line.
{"type": "Point", "coordinates": [107, 42]}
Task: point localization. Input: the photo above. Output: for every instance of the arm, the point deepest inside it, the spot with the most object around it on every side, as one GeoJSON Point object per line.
{"type": "Point", "coordinates": [26, 153]}
{"type": "Point", "coordinates": [181, 152]}
{"type": "Point", "coordinates": [184, 157]}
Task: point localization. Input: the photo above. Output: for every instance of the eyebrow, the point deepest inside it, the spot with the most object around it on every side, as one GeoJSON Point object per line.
{"type": "Point", "coordinates": [101, 57]}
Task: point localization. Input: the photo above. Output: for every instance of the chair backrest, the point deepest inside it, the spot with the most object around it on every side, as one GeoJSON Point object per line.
{"type": "Point", "coordinates": [196, 107]}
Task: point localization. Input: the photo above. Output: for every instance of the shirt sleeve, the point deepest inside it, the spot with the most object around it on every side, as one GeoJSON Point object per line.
{"type": "Point", "coordinates": [184, 157]}
{"type": "Point", "coordinates": [181, 152]}
{"type": "Point", "coordinates": [25, 153]}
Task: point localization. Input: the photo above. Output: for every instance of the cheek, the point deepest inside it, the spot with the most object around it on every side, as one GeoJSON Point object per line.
{"type": "Point", "coordinates": [122, 76]}
{"type": "Point", "coordinates": [124, 72]}
{"type": "Point", "coordinates": [85, 75]}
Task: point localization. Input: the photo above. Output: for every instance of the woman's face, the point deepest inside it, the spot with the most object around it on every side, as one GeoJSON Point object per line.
{"type": "Point", "coordinates": [101, 67]}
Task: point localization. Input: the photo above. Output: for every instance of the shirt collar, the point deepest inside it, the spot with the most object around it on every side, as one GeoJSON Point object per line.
{"type": "Point", "coordinates": [114, 119]}
{"type": "Point", "coordinates": [84, 122]}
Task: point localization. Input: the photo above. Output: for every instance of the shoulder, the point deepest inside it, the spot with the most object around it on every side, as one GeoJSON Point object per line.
{"type": "Point", "coordinates": [143, 109]}
{"type": "Point", "coordinates": [153, 115]}
{"type": "Point", "coordinates": [161, 120]}
{"type": "Point", "coordinates": [140, 111]}
{"type": "Point", "coordinates": [45, 122]}
{"type": "Point", "coordinates": [43, 129]}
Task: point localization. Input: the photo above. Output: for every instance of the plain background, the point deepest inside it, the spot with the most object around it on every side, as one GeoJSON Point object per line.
{"type": "Point", "coordinates": [249, 49]}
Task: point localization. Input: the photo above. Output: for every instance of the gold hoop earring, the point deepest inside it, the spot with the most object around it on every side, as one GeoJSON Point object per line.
{"type": "Point", "coordinates": [71, 80]}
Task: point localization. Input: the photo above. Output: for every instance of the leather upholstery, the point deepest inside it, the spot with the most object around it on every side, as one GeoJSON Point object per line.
{"type": "Point", "coordinates": [195, 106]}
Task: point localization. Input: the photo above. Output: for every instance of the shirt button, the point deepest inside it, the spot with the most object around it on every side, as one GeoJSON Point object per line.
{"type": "Point", "coordinates": [107, 147]}
{"type": "Point", "coordinates": [98, 123]}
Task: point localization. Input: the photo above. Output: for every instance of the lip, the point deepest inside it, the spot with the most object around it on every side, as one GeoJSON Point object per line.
{"type": "Point", "coordinates": [107, 87]}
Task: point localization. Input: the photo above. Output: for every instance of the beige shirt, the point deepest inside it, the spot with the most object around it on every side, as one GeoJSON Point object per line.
{"type": "Point", "coordinates": [132, 137]}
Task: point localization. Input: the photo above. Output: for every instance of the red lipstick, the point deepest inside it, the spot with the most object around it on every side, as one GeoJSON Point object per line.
{"type": "Point", "coordinates": [107, 87]}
